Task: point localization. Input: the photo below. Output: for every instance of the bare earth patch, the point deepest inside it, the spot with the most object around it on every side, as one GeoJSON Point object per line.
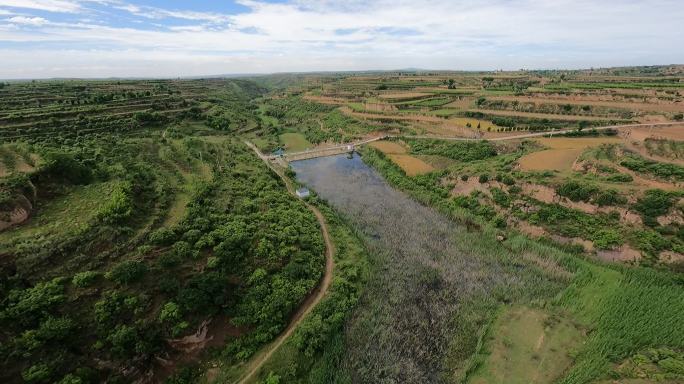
{"type": "Point", "coordinates": [403, 95]}
{"type": "Point", "coordinates": [561, 154]}
{"type": "Point", "coordinates": [673, 132]}
{"type": "Point", "coordinates": [622, 254]}
{"type": "Point", "coordinates": [411, 165]}
{"type": "Point", "coordinates": [388, 147]}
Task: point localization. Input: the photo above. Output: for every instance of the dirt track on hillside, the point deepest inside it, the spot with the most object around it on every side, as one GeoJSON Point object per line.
{"type": "Point", "coordinates": [314, 297]}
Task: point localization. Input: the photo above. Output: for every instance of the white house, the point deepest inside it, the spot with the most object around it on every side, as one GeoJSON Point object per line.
{"type": "Point", "coordinates": [303, 193]}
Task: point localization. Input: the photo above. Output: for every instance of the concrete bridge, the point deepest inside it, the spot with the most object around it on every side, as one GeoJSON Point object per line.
{"type": "Point", "coordinates": [327, 151]}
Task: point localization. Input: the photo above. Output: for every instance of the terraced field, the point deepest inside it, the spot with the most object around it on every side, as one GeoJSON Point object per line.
{"type": "Point", "coordinates": [142, 240]}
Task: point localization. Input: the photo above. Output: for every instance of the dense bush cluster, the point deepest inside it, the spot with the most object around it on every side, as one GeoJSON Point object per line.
{"type": "Point", "coordinates": [457, 150]}
{"type": "Point", "coordinates": [243, 250]}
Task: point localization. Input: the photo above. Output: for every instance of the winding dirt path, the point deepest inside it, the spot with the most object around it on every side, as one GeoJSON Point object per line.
{"type": "Point", "coordinates": [314, 297]}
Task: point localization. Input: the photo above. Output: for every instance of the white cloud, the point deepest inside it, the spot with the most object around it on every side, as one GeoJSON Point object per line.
{"type": "Point", "coordinates": [371, 34]}
{"type": "Point", "coordinates": [159, 13]}
{"type": "Point", "coordinates": [35, 21]}
{"type": "Point", "coordinates": [67, 6]}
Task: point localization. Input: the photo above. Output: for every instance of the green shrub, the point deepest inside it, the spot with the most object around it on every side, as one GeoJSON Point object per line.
{"type": "Point", "coordinates": [483, 178]}
{"type": "Point", "coordinates": [64, 165]}
{"type": "Point", "coordinates": [649, 241]}
{"type": "Point", "coordinates": [609, 197]}
{"type": "Point", "coordinates": [163, 236]}
{"type": "Point", "coordinates": [85, 278]}
{"type": "Point", "coordinates": [123, 339]}
{"type": "Point", "coordinates": [71, 379]}
{"type": "Point", "coordinates": [500, 197]}
{"type": "Point", "coordinates": [127, 272]}
{"type": "Point", "coordinates": [654, 203]}
{"type": "Point", "coordinates": [461, 151]}
{"type": "Point", "coordinates": [37, 373]}
{"type": "Point", "coordinates": [620, 178]}
{"type": "Point", "coordinates": [119, 207]}
{"type": "Point", "coordinates": [607, 239]}
{"type": "Point", "coordinates": [665, 171]}
{"type": "Point", "coordinates": [576, 191]}
{"type": "Point", "coordinates": [31, 304]}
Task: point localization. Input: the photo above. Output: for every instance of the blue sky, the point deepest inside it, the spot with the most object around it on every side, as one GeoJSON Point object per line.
{"type": "Point", "coordinates": [154, 38]}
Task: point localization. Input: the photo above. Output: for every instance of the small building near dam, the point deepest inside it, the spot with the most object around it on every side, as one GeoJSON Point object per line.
{"type": "Point", "coordinates": [303, 193]}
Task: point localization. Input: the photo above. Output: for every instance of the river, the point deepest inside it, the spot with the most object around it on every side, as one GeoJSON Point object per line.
{"type": "Point", "coordinates": [425, 269]}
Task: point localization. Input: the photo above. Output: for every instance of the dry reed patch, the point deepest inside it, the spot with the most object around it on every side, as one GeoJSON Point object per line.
{"type": "Point", "coordinates": [388, 147]}
{"type": "Point", "coordinates": [411, 165]}
{"type": "Point", "coordinates": [549, 265]}
{"type": "Point", "coordinates": [462, 103]}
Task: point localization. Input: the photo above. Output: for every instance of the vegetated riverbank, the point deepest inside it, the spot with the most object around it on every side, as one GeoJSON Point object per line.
{"type": "Point", "coordinates": [434, 285]}
{"type": "Point", "coordinates": [623, 310]}
{"type": "Point", "coordinates": [313, 353]}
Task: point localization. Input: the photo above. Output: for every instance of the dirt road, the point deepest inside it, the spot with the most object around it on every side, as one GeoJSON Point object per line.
{"type": "Point", "coordinates": [314, 297]}
{"type": "Point", "coordinates": [328, 151]}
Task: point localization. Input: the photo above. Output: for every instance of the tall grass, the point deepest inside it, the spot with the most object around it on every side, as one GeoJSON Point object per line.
{"type": "Point", "coordinates": [627, 310]}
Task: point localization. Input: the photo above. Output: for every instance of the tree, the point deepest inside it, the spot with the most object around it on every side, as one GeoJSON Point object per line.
{"type": "Point", "coordinates": [170, 313]}
{"type": "Point", "coordinates": [37, 373]}
{"type": "Point", "coordinates": [85, 278]}
{"type": "Point", "coordinates": [272, 379]}
{"type": "Point", "coordinates": [127, 272]}
{"type": "Point", "coordinates": [30, 304]}
{"type": "Point", "coordinates": [123, 340]}
{"type": "Point", "coordinates": [120, 205]}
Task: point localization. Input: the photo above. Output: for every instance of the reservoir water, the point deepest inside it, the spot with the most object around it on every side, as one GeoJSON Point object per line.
{"type": "Point", "coordinates": [424, 271]}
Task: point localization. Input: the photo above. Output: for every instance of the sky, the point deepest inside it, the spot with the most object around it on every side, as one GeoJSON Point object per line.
{"type": "Point", "coordinates": [172, 38]}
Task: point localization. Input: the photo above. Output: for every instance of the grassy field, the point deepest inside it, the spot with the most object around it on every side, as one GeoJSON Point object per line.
{"type": "Point", "coordinates": [527, 345]}
{"type": "Point", "coordinates": [72, 211]}
{"type": "Point", "coordinates": [295, 142]}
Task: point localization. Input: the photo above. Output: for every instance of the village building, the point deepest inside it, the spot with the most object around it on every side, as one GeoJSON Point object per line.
{"type": "Point", "coordinates": [303, 193]}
